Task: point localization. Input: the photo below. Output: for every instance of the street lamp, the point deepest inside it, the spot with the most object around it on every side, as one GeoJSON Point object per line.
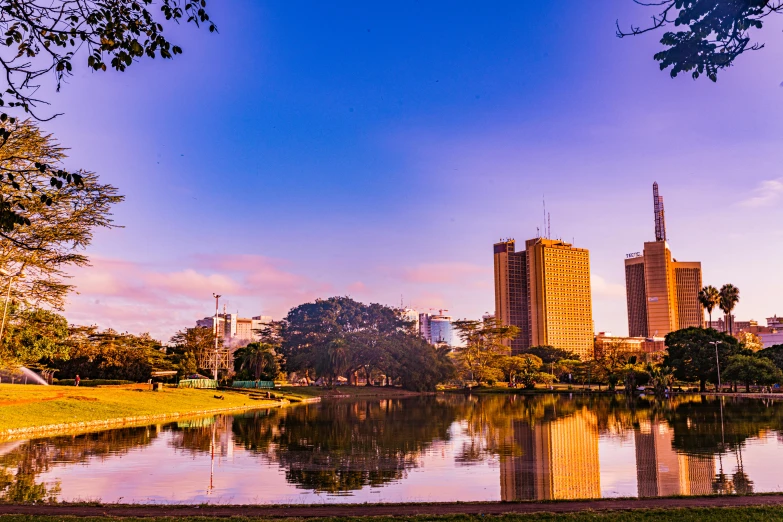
{"type": "Point", "coordinates": [717, 361]}
{"type": "Point", "coordinates": [215, 371]}
{"type": "Point", "coordinates": [7, 297]}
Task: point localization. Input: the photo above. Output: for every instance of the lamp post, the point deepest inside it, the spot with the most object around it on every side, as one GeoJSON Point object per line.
{"type": "Point", "coordinates": [215, 369]}
{"type": "Point", "coordinates": [7, 297]}
{"type": "Point", "coordinates": [717, 361]}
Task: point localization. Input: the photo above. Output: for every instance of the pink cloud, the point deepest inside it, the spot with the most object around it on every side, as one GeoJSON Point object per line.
{"type": "Point", "coordinates": [139, 297]}
{"type": "Point", "coordinates": [444, 273]}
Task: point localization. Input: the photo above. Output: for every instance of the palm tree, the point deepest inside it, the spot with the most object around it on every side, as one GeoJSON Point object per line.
{"type": "Point", "coordinates": [709, 297]}
{"type": "Point", "coordinates": [729, 297]}
{"type": "Point", "coordinates": [258, 359]}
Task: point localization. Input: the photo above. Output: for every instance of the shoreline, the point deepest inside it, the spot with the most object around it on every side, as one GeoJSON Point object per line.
{"type": "Point", "coordinates": [398, 509]}
{"type": "Point", "coordinates": [84, 419]}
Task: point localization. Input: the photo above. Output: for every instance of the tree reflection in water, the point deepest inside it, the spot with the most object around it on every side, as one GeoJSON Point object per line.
{"type": "Point", "coordinates": [342, 446]}
{"type": "Point", "coordinates": [545, 446]}
{"type": "Point", "coordinates": [22, 462]}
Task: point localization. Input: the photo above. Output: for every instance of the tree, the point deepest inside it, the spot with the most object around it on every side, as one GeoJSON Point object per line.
{"type": "Point", "coordinates": [661, 378]}
{"type": "Point", "coordinates": [550, 354]}
{"type": "Point", "coordinates": [748, 370]}
{"type": "Point", "coordinates": [711, 35]}
{"type": "Point", "coordinates": [709, 297]}
{"type": "Point", "coordinates": [32, 334]}
{"type": "Point", "coordinates": [750, 341]}
{"type": "Point", "coordinates": [259, 360]}
{"type": "Point", "coordinates": [110, 355]}
{"type": "Point", "coordinates": [62, 223]}
{"type": "Point", "coordinates": [484, 342]}
{"type": "Point", "coordinates": [692, 357]}
{"type": "Point", "coordinates": [42, 39]}
{"type": "Point", "coordinates": [530, 372]}
{"type": "Point", "coordinates": [774, 354]}
{"type": "Point", "coordinates": [199, 341]}
{"type": "Point", "coordinates": [729, 297]}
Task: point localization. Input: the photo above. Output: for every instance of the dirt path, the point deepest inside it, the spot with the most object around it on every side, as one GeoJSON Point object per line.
{"type": "Point", "coordinates": [337, 510]}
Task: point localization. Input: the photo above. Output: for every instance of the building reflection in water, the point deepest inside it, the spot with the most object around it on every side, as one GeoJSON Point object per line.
{"type": "Point", "coordinates": [552, 460]}
{"type": "Point", "coordinates": [661, 471]}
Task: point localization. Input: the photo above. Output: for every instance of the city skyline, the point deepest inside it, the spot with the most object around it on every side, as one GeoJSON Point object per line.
{"type": "Point", "coordinates": [399, 181]}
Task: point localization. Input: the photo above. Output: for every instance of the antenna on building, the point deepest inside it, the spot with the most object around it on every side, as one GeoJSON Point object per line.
{"type": "Point", "coordinates": [660, 223]}
{"type": "Point", "coordinates": [548, 227]}
{"type": "Point", "coordinates": [543, 201]}
{"type": "Point", "coordinates": [538, 233]}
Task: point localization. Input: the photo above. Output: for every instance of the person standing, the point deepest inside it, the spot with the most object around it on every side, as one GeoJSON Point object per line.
{"type": "Point", "coordinates": [76, 381]}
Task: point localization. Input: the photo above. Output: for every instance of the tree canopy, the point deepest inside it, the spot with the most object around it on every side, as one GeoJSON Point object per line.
{"type": "Point", "coordinates": [33, 334]}
{"type": "Point", "coordinates": [709, 35]}
{"type": "Point", "coordinates": [339, 336]}
{"type": "Point", "coordinates": [59, 221]}
{"type": "Point", "coordinates": [691, 355]}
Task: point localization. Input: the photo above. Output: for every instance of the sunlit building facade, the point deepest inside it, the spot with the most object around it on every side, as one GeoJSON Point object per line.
{"type": "Point", "coordinates": [545, 292]}
{"type": "Point", "coordinates": [661, 292]}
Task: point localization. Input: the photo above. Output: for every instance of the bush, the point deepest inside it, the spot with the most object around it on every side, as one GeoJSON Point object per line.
{"type": "Point", "coordinates": [91, 382]}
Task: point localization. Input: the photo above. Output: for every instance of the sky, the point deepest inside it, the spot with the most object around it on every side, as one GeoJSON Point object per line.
{"type": "Point", "coordinates": [378, 150]}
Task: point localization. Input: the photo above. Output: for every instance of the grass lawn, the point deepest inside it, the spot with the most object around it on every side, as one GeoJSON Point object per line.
{"type": "Point", "coordinates": [37, 406]}
{"type": "Point", "coordinates": [726, 514]}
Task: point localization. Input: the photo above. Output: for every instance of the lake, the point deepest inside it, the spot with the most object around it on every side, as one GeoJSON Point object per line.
{"type": "Point", "coordinates": [448, 447]}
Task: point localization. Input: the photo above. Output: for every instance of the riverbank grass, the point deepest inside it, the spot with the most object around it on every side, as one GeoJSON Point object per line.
{"type": "Point", "coordinates": [40, 406]}
{"type": "Point", "coordinates": [722, 514]}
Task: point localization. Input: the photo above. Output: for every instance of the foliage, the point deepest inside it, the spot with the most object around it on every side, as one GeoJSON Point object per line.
{"type": "Point", "coordinates": [711, 33]}
{"type": "Point", "coordinates": [729, 297]}
{"type": "Point", "coordinates": [550, 354]}
{"type": "Point", "coordinates": [484, 342]}
{"type": "Point", "coordinates": [530, 372]}
{"type": "Point", "coordinates": [750, 341]}
{"type": "Point", "coordinates": [199, 345]}
{"type": "Point", "coordinates": [59, 220]}
{"type": "Point", "coordinates": [709, 298]}
{"type": "Point", "coordinates": [773, 353]}
{"type": "Point", "coordinates": [749, 369]}
{"type": "Point", "coordinates": [661, 379]}
{"type": "Point", "coordinates": [32, 334]}
{"type": "Point", "coordinates": [259, 361]}
{"type": "Point", "coordinates": [340, 336]}
{"type": "Point", "coordinates": [692, 357]}
{"type": "Point", "coordinates": [110, 355]}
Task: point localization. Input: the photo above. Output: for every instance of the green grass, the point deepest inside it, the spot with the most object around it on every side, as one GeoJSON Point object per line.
{"type": "Point", "coordinates": [727, 514]}
{"type": "Point", "coordinates": [37, 406]}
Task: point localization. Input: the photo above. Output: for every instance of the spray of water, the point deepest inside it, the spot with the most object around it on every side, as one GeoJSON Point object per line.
{"type": "Point", "coordinates": [21, 375]}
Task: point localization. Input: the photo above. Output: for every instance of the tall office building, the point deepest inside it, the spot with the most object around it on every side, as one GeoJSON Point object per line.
{"type": "Point", "coordinates": [544, 290]}
{"type": "Point", "coordinates": [662, 293]}
{"type": "Point", "coordinates": [511, 301]}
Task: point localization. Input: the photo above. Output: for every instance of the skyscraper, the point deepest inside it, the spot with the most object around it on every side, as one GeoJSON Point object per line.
{"type": "Point", "coordinates": [511, 300]}
{"type": "Point", "coordinates": [661, 293]}
{"type": "Point", "coordinates": [545, 292]}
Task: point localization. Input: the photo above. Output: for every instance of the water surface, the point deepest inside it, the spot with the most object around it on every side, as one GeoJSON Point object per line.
{"type": "Point", "coordinates": [442, 448]}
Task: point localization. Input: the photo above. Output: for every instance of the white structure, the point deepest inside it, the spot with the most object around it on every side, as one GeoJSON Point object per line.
{"type": "Point", "coordinates": [410, 315]}
{"type": "Point", "coordinates": [236, 330]}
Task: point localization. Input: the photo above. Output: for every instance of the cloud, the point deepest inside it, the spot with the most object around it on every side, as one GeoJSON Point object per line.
{"type": "Point", "coordinates": [139, 297]}
{"type": "Point", "coordinates": [444, 273]}
{"type": "Point", "coordinates": [602, 288]}
{"type": "Point", "coordinates": [766, 193]}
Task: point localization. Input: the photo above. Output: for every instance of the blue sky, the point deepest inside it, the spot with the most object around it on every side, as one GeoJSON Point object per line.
{"type": "Point", "coordinates": [378, 150]}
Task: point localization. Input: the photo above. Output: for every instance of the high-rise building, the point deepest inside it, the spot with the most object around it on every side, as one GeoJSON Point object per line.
{"type": "Point", "coordinates": [661, 293]}
{"type": "Point", "coordinates": [235, 330]}
{"type": "Point", "coordinates": [544, 290]}
{"type": "Point", "coordinates": [511, 297]}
